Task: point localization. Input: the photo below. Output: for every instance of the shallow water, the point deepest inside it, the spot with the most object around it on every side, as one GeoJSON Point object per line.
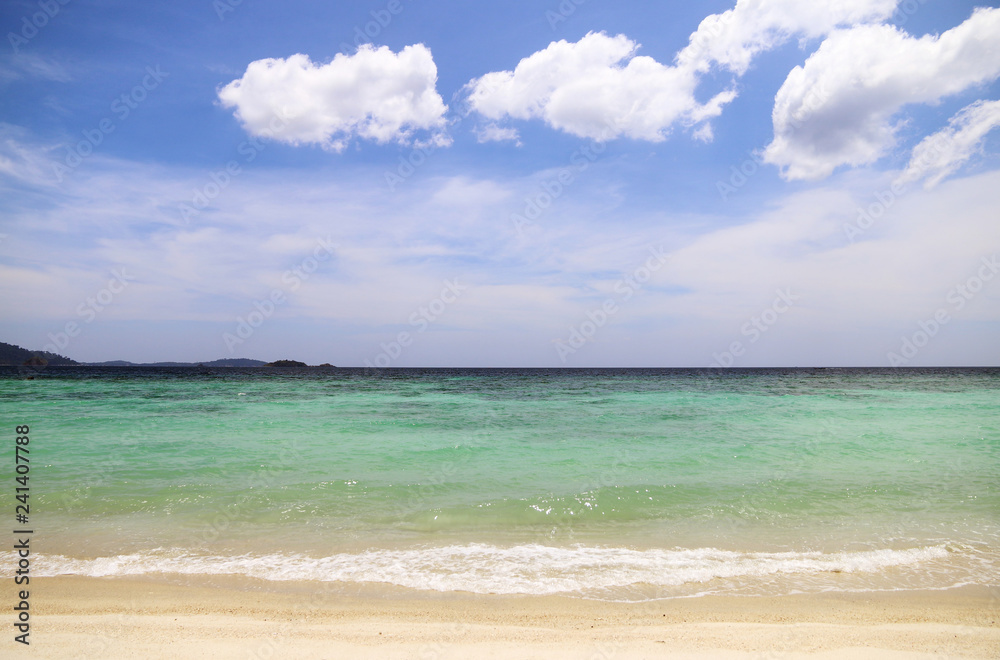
{"type": "Point", "coordinates": [619, 484]}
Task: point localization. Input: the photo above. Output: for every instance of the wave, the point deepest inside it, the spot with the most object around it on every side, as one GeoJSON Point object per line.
{"type": "Point", "coordinates": [540, 570]}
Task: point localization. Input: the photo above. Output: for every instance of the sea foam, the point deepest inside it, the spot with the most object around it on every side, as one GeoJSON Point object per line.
{"type": "Point", "coordinates": [526, 569]}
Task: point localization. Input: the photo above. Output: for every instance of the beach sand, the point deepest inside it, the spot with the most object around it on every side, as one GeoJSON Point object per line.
{"type": "Point", "coordinates": [211, 617]}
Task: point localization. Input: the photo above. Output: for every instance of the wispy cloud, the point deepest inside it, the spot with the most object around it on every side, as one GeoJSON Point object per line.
{"type": "Point", "coordinates": [523, 293]}
{"type": "Point", "coordinates": [26, 65]}
{"type": "Point", "coordinates": [943, 153]}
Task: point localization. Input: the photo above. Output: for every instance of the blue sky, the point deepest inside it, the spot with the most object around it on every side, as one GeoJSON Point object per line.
{"type": "Point", "coordinates": [762, 183]}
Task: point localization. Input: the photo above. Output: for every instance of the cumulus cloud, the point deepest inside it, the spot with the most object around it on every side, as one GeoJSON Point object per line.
{"type": "Point", "coordinates": [838, 108]}
{"type": "Point", "coordinates": [600, 88]}
{"type": "Point", "coordinates": [374, 94]}
{"type": "Point", "coordinates": [941, 154]}
{"type": "Point", "coordinates": [733, 38]}
{"type": "Point", "coordinates": [595, 88]}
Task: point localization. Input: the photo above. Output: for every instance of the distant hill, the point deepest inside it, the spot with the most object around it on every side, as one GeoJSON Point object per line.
{"type": "Point", "coordinates": [234, 362]}
{"type": "Point", "coordinates": [11, 355]}
{"type": "Point", "coordinates": [225, 362]}
{"type": "Point", "coordinates": [15, 356]}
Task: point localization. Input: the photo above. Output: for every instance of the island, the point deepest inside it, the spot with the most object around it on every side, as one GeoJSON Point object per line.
{"type": "Point", "coordinates": [15, 356]}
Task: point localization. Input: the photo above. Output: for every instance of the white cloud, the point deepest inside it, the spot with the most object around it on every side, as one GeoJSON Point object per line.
{"type": "Point", "coordinates": [374, 94]}
{"type": "Point", "coordinates": [599, 88]}
{"type": "Point", "coordinates": [838, 108]}
{"type": "Point", "coordinates": [595, 88]}
{"type": "Point", "coordinates": [733, 38]}
{"type": "Point", "coordinates": [941, 154]}
{"type": "Point", "coordinates": [494, 133]}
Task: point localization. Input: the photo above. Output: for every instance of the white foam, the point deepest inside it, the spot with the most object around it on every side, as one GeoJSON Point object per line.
{"type": "Point", "coordinates": [519, 569]}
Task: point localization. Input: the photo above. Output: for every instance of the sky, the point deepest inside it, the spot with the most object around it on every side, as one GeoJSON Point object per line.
{"type": "Point", "coordinates": [574, 183]}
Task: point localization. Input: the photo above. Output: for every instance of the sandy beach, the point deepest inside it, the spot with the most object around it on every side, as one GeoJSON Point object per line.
{"type": "Point", "coordinates": [77, 617]}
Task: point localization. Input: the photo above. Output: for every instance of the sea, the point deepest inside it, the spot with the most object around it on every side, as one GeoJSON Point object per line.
{"type": "Point", "coordinates": [609, 484]}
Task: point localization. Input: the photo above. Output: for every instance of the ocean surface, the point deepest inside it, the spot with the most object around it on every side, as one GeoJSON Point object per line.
{"type": "Point", "coordinates": [616, 484]}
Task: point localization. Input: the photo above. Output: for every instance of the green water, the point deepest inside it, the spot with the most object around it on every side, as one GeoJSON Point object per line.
{"type": "Point", "coordinates": [322, 470]}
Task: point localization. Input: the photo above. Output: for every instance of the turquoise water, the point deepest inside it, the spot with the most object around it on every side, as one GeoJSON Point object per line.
{"type": "Point", "coordinates": [620, 484]}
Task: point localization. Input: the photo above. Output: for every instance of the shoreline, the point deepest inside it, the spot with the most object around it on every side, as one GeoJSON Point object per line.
{"type": "Point", "coordinates": [225, 617]}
